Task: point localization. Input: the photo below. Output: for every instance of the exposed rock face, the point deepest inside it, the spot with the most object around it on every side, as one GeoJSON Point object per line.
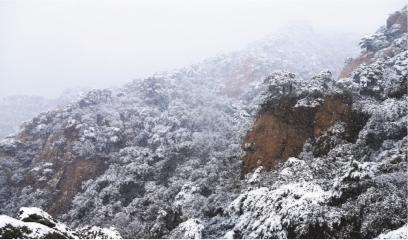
{"type": "Point", "coordinates": [281, 132]}
{"type": "Point", "coordinates": [354, 63]}
{"type": "Point", "coordinates": [69, 184]}
{"type": "Point", "coordinates": [293, 116]}
{"type": "Point", "coordinates": [64, 172]}
{"type": "Point", "coordinates": [283, 52]}
{"type": "Point", "coordinates": [161, 157]}
{"type": "Point", "coordinates": [159, 151]}
{"type": "Point", "coordinates": [283, 125]}
{"type": "Point", "coordinates": [380, 43]}
{"type": "Point", "coordinates": [349, 180]}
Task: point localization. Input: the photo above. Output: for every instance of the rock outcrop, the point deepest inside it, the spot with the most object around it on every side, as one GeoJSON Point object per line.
{"type": "Point", "coordinates": [33, 223]}
{"type": "Point", "coordinates": [151, 155]}
{"type": "Point", "coordinates": [297, 112]}
{"type": "Point", "coordinates": [381, 43]}
{"type": "Point", "coordinates": [301, 111]}
{"type": "Point", "coordinates": [345, 177]}
{"type": "Point", "coordinates": [161, 157]}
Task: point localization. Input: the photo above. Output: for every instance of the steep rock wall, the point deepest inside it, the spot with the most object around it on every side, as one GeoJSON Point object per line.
{"type": "Point", "coordinates": [380, 44]}
{"type": "Point", "coordinates": [280, 131]}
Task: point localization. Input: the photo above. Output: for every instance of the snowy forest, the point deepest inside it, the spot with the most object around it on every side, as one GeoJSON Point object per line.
{"type": "Point", "coordinates": [300, 134]}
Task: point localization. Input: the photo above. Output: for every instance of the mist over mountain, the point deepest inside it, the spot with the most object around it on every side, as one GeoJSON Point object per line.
{"type": "Point", "coordinates": [298, 135]}
{"type": "Point", "coordinates": [17, 109]}
{"type": "Point", "coordinates": [316, 49]}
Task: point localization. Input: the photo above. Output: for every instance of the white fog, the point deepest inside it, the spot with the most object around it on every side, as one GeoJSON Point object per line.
{"type": "Point", "coordinates": [47, 46]}
{"type": "Point", "coordinates": [203, 119]}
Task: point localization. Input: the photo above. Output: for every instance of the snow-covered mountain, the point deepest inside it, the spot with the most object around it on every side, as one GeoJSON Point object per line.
{"type": "Point", "coordinates": [225, 148]}
{"type": "Point", "coordinates": [337, 150]}
{"type": "Point", "coordinates": [297, 48]}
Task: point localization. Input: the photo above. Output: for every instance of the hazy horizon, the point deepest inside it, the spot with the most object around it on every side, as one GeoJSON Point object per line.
{"type": "Point", "coordinates": [48, 46]}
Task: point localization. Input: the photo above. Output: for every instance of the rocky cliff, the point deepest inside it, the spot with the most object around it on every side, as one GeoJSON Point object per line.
{"type": "Point", "coordinates": [296, 112]}
{"type": "Point", "coordinates": [177, 155]}
{"type": "Point", "coordinates": [336, 148]}
{"type": "Point", "coordinates": [378, 43]}
{"type": "Point", "coordinates": [157, 152]}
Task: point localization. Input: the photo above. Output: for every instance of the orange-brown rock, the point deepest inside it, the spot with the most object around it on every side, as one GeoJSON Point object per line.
{"type": "Point", "coordinates": [69, 172]}
{"type": "Point", "coordinates": [368, 57]}
{"type": "Point", "coordinates": [70, 181]}
{"type": "Point", "coordinates": [349, 67]}
{"type": "Point", "coordinates": [281, 132]}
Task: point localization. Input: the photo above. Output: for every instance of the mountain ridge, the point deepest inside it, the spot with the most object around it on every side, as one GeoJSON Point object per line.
{"type": "Point", "coordinates": [162, 157]}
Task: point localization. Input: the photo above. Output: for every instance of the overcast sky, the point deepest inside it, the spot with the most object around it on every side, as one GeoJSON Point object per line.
{"type": "Point", "coordinates": [47, 46]}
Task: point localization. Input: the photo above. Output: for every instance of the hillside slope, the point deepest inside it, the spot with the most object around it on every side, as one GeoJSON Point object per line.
{"type": "Point", "coordinates": [192, 153]}
{"type": "Point", "coordinates": [337, 149]}
{"type": "Point", "coordinates": [157, 151]}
